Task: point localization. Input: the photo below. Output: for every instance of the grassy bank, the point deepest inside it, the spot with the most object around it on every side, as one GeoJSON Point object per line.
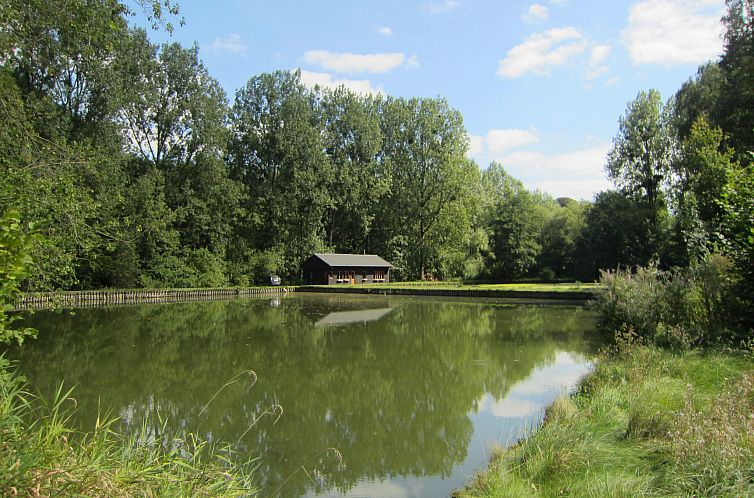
{"type": "Point", "coordinates": [41, 455]}
{"type": "Point", "coordinates": [647, 422]}
{"type": "Point", "coordinates": [536, 287]}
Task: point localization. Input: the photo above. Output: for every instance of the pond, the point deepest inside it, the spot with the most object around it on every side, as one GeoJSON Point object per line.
{"type": "Point", "coordinates": [335, 395]}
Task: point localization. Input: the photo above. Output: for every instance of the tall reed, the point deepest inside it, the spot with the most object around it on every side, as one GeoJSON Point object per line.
{"type": "Point", "coordinates": [41, 455]}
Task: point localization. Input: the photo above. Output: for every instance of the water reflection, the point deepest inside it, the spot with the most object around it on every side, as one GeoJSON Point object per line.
{"type": "Point", "coordinates": [348, 317]}
{"type": "Point", "coordinates": [400, 396]}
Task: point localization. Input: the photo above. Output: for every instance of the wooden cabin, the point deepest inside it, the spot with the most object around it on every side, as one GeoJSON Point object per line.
{"type": "Point", "coordinates": [331, 269]}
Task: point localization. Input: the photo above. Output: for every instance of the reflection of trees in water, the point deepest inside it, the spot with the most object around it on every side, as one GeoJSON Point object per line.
{"type": "Point", "coordinates": [391, 395]}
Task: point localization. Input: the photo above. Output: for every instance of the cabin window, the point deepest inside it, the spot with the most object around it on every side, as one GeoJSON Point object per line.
{"type": "Point", "coordinates": [379, 276]}
{"type": "Point", "coordinates": [344, 277]}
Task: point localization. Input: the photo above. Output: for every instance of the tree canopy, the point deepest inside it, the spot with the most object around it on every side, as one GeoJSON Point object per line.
{"type": "Point", "coordinates": [137, 170]}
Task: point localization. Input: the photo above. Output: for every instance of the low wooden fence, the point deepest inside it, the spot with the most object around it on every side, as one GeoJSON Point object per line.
{"type": "Point", "coordinates": [582, 296]}
{"type": "Point", "coordinates": [82, 299]}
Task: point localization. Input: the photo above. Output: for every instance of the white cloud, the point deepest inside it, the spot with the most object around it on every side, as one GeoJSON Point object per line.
{"type": "Point", "coordinates": [441, 7]}
{"type": "Point", "coordinates": [497, 142]}
{"type": "Point", "coordinates": [531, 395]}
{"type": "Point", "coordinates": [578, 174]}
{"type": "Point", "coordinates": [384, 30]}
{"type": "Point", "coordinates": [598, 54]}
{"type": "Point", "coordinates": [346, 62]}
{"type": "Point", "coordinates": [541, 51]}
{"type": "Point", "coordinates": [231, 43]}
{"type": "Point", "coordinates": [670, 32]}
{"type": "Point", "coordinates": [595, 68]}
{"type": "Point", "coordinates": [325, 80]}
{"type": "Point", "coordinates": [593, 73]}
{"type": "Point", "coordinates": [477, 145]}
{"type": "Point", "coordinates": [536, 13]}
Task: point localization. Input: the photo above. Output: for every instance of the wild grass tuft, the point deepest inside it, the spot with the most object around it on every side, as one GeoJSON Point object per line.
{"type": "Point", "coordinates": [714, 449]}
{"type": "Point", "coordinates": [646, 422]}
{"type": "Point", "coordinates": [40, 455]}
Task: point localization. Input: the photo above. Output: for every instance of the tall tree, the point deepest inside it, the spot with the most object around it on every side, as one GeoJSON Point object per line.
{"type": "Point", "coordinates": [737, 63]}
{"type": "Point", "coordinates": [560, 237]}
{"type": "Point", "coordinates": [614, 235]}
{"type": "Point", "coordinates": [699, 97]}
{"type": "Point", "coordinates": [424, 148]}
{"type": "Point", "coordinates": [515, 222]}
{"type": "Point", "coordinates": [171, 108]}
{"type": "Point", "coordinates": [353, 140]}
{"type": "Point", "coordinates": [277, 151]}
{"type": "Point", "coordinates": [639, 161]}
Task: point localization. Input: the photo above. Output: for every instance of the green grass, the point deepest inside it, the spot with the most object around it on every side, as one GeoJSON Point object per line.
{"type": "Point", "coordinates": [646, 422]}
{"type": "Point", "coordinates": [560, 287]}
{"type": "Point", "coordinates": [532, 287]}
{"type": "Point", "coordinates": [40, 455]}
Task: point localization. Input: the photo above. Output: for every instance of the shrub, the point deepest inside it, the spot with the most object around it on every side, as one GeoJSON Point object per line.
{"type": "Point", "coordinates": [676, 309]}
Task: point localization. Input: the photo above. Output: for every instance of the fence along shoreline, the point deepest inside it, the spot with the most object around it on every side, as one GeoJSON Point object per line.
{"type": "Point", "coordinates": [93, 298]}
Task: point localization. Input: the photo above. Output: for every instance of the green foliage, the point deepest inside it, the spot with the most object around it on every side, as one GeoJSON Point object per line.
{"type": "Point", "coordinates": [129, 161]}
{"type": "Point", "coordinates": [738, 228]}
{"type": "Point", "coordinates": [615, 234]}
{"type": "Point", "coordinates": [639, 162]}
{"type": "Point", "coordinates": [515, 222]}
{"type": "Point", "coordinates": [678, 309]}
{"type": "Point", "coordinates": [701, 169]}
{"type": "Point", "coordinates": [698, 98]}
{"type": "Point", "coordinates": [15, 259]}
{"type": "Point", "coordinates": [353, 141]}
{"type": "Point", "coordinates": [424, 148]}
{"type": "Point", "coordinates": [560, 238]}
{"type": "Point", "coordinates": [737, 64]}
{"type": "Point", "coordinates": [48, 457]}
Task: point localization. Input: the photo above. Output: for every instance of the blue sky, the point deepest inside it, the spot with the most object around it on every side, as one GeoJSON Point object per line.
{"type": "Point", "coordinates": [541, 84]}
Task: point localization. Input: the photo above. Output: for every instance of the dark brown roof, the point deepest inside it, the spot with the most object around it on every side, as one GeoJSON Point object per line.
{"type": "Point", "coordinates": [353, 260]}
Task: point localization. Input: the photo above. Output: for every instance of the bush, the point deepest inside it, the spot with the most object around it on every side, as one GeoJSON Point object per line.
{"type": "Point", "coordinates": [676, 309]}
{"type": "Point", "coordinates": [547, 274]}
{"type": "Point", "coordinates": [255, 267]}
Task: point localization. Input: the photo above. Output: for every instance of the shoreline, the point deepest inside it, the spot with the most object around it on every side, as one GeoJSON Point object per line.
{"type": "Point", "coordinates": [646, 421]}
{"type": "Point", "coordinates": [114, 297]}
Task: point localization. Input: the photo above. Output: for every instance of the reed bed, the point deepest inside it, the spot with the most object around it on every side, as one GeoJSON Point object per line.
{"type": "Point", "coordinates": [41, 455]}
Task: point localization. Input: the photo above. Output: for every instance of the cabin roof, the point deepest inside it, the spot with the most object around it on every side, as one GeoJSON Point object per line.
{"type": "Point", "coordinates": [353, 260]}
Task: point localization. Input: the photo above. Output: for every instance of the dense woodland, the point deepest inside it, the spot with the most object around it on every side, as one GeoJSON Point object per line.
{"type": "Point", "coordinates": [134, 168]}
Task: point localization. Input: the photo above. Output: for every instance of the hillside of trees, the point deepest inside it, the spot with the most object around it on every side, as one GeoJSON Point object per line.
{"type": "Point", "coordinates": [136, 169]}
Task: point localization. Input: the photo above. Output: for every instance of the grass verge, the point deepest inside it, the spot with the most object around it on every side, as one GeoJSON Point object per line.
{"type": "Point", "coordinates": [40, 455]}
{"type": "Point", "coordinates": [532, 287]}
{"type": "Point", "coordinates": [647, 422]}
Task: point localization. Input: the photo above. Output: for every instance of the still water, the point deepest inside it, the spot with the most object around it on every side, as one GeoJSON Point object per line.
{"type": "Point", "coordinates": [335, 395]}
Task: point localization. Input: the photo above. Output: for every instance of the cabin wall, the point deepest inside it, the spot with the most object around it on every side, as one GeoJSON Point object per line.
{"type": "Point", "coordinates": [356, 276]}
{"type": "Point", "coordinates": [316, 273]}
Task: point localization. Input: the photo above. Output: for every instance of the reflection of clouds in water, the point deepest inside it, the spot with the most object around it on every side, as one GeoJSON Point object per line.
{"type": "Point", "coordinates": [510, 406]}
{"type": "Point", "coordinates": [534, 393]}
{"type": "Point", "coordinates": [355, 316]}
{"type": "Point", "coordinates": [564, 373]}
{"type": "Point", "coordinates": [379, 489]}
